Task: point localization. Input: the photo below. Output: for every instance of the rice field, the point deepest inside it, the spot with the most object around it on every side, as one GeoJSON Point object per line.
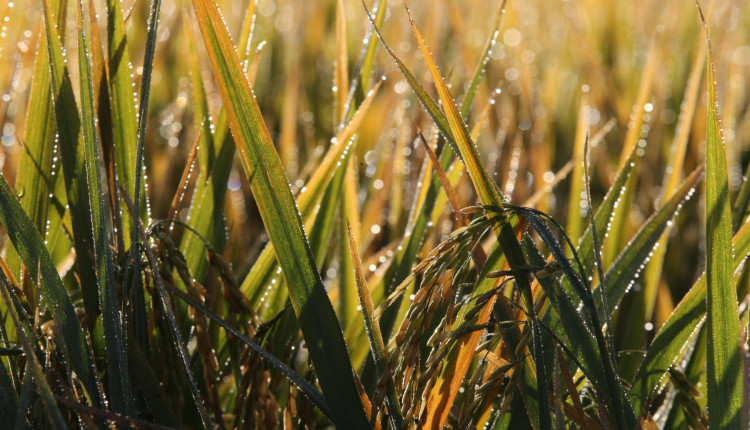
{"type": "Point", "coordinates": [370, 214]}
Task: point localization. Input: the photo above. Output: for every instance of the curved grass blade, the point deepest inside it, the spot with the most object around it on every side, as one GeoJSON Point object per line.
{"type": "Point", "coordinates": [377, 347]}
{"type": "Point", "coordinates": [723, 362]}
{"type": "Point", "coordinates": [30, 247]}
{"type": "Point", "coordinates": [430, 105]}
{"type": "Point", "coordinates": [603, 216]}
{"type": "Point", "coordinates": [577, 331]}
{"type": "Point", "coordinates": [283, 223]}
{"type": "Point", "coordinates": [610, 388]}
{"type": "Point", "coordinates": [120, 394]}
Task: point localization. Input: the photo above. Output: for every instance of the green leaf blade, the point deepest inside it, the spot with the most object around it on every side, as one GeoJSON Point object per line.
{"type": "Point", "coordinates": [31, 249]}
{"type": "Point", "coordinates": [120, 393]}
{"type": "Point", "coordinates": [122, 102]}
{"type": "Point", "coordinates": [723, 362]}
{"type": "Point", "coordinates": [71, 151]}
{"type": "Point", "coordinates": [283, 223]}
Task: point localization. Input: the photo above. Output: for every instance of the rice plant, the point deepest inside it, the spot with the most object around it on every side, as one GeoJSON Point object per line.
{"type": "Point", "coordinates": [362, 214]}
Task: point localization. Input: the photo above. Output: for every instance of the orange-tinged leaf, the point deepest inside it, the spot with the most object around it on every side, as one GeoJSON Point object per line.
{"type": "Point", "coordinates": [445, 390]}
{"type": "Point", "coordinates": [283, 223]}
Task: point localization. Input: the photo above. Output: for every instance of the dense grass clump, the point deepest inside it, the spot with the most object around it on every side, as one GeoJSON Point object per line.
{"type": "Point", "coordinates": [272, 213]}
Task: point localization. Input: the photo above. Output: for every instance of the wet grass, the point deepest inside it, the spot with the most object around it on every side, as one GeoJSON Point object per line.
{"type": "Point", "coordinates": [487, 214]}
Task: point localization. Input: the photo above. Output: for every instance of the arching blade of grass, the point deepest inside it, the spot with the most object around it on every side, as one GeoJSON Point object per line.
{"type": "Point", "coordinates": [283, 223]}
{"type": "Point", "coordinates": [610, 388]}
{"type": "Point", "coordinates": [484, 186]}
{"type": "Point", "coordinates": [377, 348]}
{"type": "Point", "coordinates": [602, 217]}
{"type": "Point", "coordinates": [574, 327]}
{"type": "Point", "coordinates": [74, 173]}
{"type": "Point", "coordinates": [723, 362]}
{"type": "Point", "coordinates": [488, 195]}
{"type": "Point", "coordinates": [430, 105]}
{"type": "Point", "coordinates": [30, 247]}
{"type": "Point", "coordinates": [120, 393]}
